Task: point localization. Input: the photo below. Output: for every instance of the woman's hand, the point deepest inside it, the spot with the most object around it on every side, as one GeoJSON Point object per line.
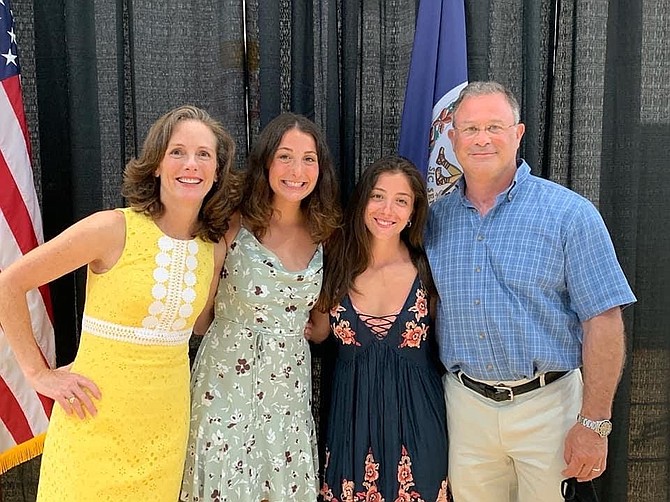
{"type": "Point", "coordinates": [317, 328]}
{"type": "Point", "coordinates": [307, 333]}
{"type": "Point", "coordinates": [72, 391]}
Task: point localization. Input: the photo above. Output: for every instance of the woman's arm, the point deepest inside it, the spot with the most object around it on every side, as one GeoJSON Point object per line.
{"type": "Point", "coordinates": [207, 315]}
{"type": "Point", "coordinates": [220, 251]}
{"type": "Point", "coordinates": [97, 241]}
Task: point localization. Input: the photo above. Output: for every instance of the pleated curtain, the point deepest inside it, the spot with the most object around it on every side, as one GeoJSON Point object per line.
{"type": "Point", "coordinates": [592, 76]}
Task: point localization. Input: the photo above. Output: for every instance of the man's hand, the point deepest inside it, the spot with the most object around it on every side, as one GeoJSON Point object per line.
{"type": "Point", "coordinates": [603, 355]}
{"type": "Point", "coordinates": [585, 453]}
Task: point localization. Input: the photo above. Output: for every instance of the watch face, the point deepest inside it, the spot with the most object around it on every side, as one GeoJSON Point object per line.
{"type": "Point", "coordinates": [605, 428]}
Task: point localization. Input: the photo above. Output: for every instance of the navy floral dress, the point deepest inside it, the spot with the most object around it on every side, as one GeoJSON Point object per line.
{"type": "Point", "coordinates": [387, 438]}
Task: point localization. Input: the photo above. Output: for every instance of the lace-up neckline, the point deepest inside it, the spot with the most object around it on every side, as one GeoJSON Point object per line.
{"type": "Point", "coordinates": [378, 324]}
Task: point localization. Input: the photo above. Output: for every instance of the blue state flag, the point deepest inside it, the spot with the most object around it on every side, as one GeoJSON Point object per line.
{"type": "Point", "coordinates": [438, 71]}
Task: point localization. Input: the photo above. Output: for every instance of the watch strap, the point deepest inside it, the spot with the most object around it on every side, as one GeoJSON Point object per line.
{"type": "Point", "coordinates": [600, 427]}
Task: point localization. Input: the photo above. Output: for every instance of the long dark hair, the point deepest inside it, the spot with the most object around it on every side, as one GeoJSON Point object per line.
{"type": "Point", "coordinates": [350, 251]}
{"type": "Point", "coordinates": [321, 207]}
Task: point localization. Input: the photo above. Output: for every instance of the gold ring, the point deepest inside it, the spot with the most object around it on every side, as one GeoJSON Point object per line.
{"type": "Point", "coordinates": [595, 470]}
{"type": "Point", "coordinates": [71, 399]}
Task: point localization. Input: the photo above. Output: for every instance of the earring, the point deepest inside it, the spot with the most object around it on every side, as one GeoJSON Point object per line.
{"type": "Point", "coordinates": [409, 223]}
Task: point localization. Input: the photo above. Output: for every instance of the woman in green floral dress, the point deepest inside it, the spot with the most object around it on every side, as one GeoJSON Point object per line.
{"type": "Point", "coordinates": [252, 433]}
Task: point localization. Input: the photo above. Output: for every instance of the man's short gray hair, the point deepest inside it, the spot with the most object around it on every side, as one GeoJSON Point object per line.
{"type": "Point", "coordinates": [486, 88]}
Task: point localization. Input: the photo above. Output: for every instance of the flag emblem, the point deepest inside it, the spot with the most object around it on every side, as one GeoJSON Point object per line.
{"type": "Point", "coordinates": [437, 74]}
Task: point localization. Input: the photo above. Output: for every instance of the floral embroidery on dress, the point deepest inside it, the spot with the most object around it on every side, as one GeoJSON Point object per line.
{"type": "Point", "coordinates": [347, 491]}
{"type": "Point", "coordinates": [369, 481]}
{"type": "Point", "coordinates": [342, 328]}
{"type": "Point", "coordinates": [406, 480]}
{"type": "Point", "coordinates": [372, 494]}
{"type": "Point", "coordinates": [420, 307]}
{"type": "Point", "coordinates": [444, 495]}
{"type": "Point", "coordinates": [414, 334]}
{"type": "Point", "coordinates": [416, 331]}
{"type": "Point", "coordinates": [335, 311]}
{"type": "Point", "coordinates": [388, 462]}
{"type": "Point", "coordinates": [326, 492]}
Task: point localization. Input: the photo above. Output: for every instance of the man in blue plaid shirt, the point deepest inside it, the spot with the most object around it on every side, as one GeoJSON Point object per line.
{"type": "Point", "coordinates": [530, 291]}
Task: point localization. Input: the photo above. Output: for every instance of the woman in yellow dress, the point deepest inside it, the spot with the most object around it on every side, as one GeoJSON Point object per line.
{"type": "Point", "coordinates": [119, 428]}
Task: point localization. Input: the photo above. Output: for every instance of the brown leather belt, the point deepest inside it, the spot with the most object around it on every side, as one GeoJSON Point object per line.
{"type": "Point", "coordinates": [501, 392]}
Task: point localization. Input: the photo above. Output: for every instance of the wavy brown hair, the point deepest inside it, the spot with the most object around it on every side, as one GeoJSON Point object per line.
{"type": "Point", "coordinates": [350, 250]}
{"type": "Point", "coordinates": [321, 207]}
{"type": "Point", "coordinates": [141, 187]}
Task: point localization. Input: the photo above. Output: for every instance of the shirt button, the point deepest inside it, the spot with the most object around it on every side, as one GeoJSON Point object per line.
{"type": "Point", "coordinates": [478, 269]}
{"type": "Point", "coordinates": [489, 367]}
{"type": "Point", "coordinates": [482, 336]}
{"type": "Point", "coordinates": [480, 237]}
{"type": "Point", "coordinates": [477, 302]}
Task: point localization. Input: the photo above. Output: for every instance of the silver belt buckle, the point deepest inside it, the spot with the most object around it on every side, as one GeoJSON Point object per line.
{"type": "Point", "coordinates": [459, 375]}
{"type": "Point", "coordinates": [507, 389]}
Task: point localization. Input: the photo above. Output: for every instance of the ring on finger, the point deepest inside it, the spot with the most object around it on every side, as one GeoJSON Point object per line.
{"type": "Point", "coordinates": [72, 399]}
{"type": "Point", "coordinates": [595, 470]}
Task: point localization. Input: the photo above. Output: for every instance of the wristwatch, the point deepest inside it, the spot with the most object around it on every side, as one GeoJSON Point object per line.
{"type": "Point", "coordinates": [600, 427]}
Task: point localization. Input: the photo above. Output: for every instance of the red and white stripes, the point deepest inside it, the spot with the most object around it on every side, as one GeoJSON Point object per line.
{"type": "Point", "coordinates": [24, 414]}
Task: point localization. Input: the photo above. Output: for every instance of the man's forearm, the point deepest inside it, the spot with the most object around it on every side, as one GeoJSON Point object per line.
{"type": "Point", "coordinates": [603, 355]}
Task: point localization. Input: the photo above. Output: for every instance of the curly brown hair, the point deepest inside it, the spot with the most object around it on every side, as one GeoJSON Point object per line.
{"type": "Point", "coordinates": [321, 207]}
{"type": "Point", "coordinates": [141, 187]}
{"type": "Point", "coordinates": [349, 252]}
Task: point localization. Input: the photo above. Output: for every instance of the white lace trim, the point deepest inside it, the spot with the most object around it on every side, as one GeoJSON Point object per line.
{"type": "Point", "coordinates": [141, 336]}
{"type": "Point", "coordinates": [172, 291]}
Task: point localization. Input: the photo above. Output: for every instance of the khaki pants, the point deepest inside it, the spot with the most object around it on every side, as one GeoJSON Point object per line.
{"type": "Point", "coordinates": [510, 451]}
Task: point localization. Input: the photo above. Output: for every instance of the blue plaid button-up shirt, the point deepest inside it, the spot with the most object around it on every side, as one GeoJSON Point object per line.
{"type": "Point", "coordinates": [516, 284]}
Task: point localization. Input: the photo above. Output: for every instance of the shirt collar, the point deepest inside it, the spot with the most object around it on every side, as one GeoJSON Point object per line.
{"type": "Point", "coordinates": [522, 174]}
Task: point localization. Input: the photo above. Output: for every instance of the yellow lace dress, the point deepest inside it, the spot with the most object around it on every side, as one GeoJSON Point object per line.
{"type": "Point", "coordinates": [134, 345]}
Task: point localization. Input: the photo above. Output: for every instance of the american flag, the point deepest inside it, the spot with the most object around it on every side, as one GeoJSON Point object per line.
{"type": "Point", "coordinates": [24, 414]}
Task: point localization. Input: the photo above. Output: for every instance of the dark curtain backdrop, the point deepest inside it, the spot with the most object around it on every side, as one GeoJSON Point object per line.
{"type": "Point", "coordinates": [593, 78]}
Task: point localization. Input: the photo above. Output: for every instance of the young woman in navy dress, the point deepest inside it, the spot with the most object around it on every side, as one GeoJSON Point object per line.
{"type": "Point", "coordinates": [386, 434]}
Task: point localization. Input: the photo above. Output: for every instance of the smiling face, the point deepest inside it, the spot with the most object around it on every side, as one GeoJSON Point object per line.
{"type": "Point", "coordinates": [187, 170]}
{"type": "Point", "coordinates": [488, 155]}
{"type": "Point", "coordinates": [294, 168]}
{"type": "Point", "coordinates": [389, 206]}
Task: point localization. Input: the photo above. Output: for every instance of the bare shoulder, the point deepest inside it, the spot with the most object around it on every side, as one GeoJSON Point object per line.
{"type": "Point", "coordinates": [108, 230]}
{"type": "Point", "coordinates": [94, 240]}
{"type": "Point", "coordinates": [108, 227]}
{"type": "Point", "coordinates": [111, 220]}
{"type": "Point", "coordinates": [220, 251]}
{"type": "Point", "coordinates": [94, 232]}
{"type": "Point", "coordinates": [234, 226]}
{"type": "Point", "coordinates": [221, 247]}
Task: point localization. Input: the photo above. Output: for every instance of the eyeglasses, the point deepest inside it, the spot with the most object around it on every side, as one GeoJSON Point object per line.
{"type": "Point", "coordinates": [491, 130]}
